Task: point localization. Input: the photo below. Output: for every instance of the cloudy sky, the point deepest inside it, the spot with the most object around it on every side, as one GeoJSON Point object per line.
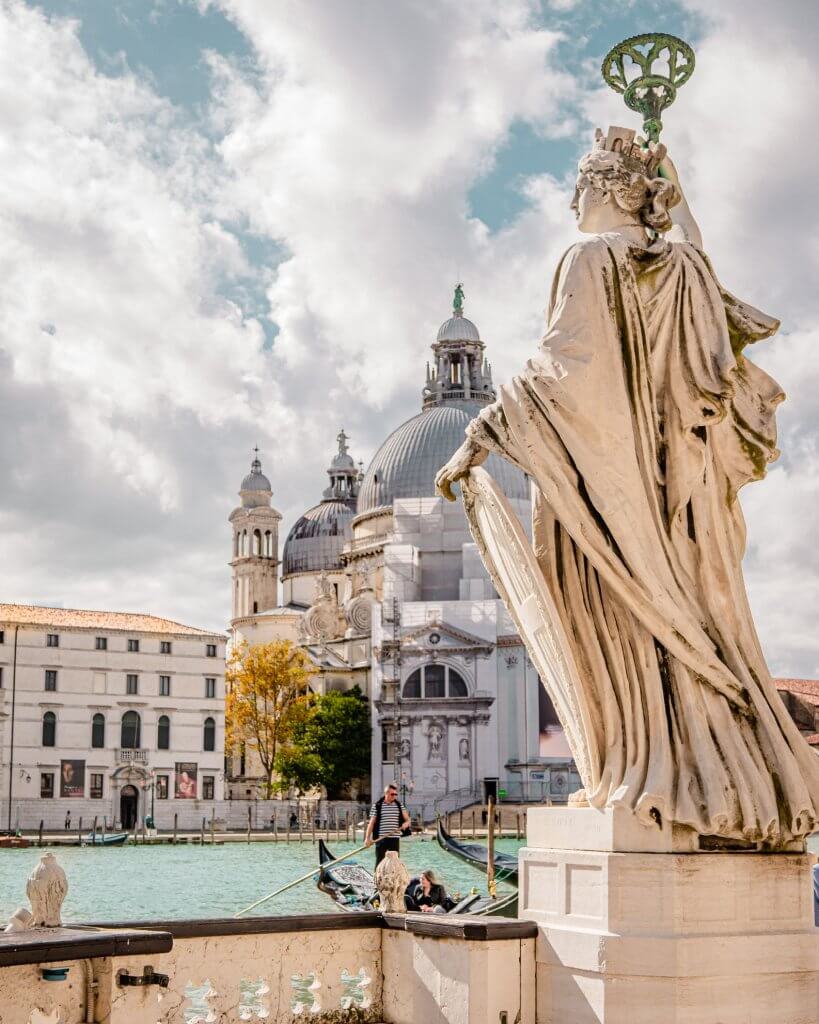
{"type": "Point", "coordinates": [231, 222]}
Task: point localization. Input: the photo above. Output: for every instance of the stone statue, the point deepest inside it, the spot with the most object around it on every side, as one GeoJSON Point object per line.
{"type": "Point", "coordinates": [435, 737]}
{"type": "Point", "coordinates": [463, 748]}
{"type": "Point", "coordinates": [638, 420]}
{"type": "Point", "coordinates": [46, 889]}
{"type": "Point", "coordinates": [391, 881]}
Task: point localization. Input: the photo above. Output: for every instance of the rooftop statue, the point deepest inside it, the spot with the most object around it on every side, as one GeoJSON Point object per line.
{"type": "Point", "coordinates": [458, 300]}
{"type": "Point", "coordinates": [638, 420]}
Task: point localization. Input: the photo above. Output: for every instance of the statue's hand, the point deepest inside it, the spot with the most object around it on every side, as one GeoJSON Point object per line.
{"type": "Point", "coordinates": [468, 455]}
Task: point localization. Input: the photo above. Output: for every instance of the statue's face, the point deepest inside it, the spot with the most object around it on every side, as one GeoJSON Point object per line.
{"type": "Point", "coordinates": [588, 204]}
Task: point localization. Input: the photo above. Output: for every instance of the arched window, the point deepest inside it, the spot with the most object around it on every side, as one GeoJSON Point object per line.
{"type": "Point", "coordinates": [210, 734]}
{"type": "Point", "coordinates": [49, 729]}
{"type": "Point", "coordinates": [432, 682]}
{"type": "Point", "coordinates": [98, 731]}
{"type": "Point", "coordinates": [163, 733]}
{"type": "Point", "coordinates": [257, 542]}
{"type": "Point", "coordinates": [268, 544]}
{"type": "Point", "coordinates": [456, 687]}
{"type": "Point", "coordinates": [235, 545]}
{"type": "Point", "coordinates": [412, 687]}
{"type": "Point", "coordinates": [130, 731]}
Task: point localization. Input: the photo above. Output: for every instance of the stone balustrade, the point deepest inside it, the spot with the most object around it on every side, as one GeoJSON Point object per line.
{"type": "Point", "coordinates": [356, 967]}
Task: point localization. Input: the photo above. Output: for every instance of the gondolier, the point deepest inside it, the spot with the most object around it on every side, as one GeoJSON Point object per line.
{"type": "Point", "coordinates": [388, 817]}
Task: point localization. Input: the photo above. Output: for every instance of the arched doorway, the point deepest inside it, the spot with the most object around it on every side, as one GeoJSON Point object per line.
{"type": "Point", "coordinates": [128, 806]}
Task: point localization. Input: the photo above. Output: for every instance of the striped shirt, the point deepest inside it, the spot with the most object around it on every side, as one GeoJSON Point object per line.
{"type": "Point", "coordinates": [390, 821]}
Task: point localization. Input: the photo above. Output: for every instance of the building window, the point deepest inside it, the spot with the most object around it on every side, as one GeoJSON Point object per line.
{"type": "Point", "coordinates": [209, 734]}
{"type": "Point", "coordinates": [46, 785]}
{"type": "Point", "coordinates": [102, 643]}
{"type": "Point", "coordinates": [432, 682]}
{"type": "Point", "coordinates": [49, 729]}
{"type": "Point", "coordinates": [130, 731]}
{"type": "Point", "coordinates": [210, 686]}
{"type": "Point", "coordinates": [164, 686]}
{"type": "Point", "coordinates": [2, 636]}
{"type": "Point", "coordinates": [52, 640]}
{"type": "Point", "coordinates": [133, 646]}
{"type": "Point", "coordinates": [210, 650]}
{"type": "Point", "coordinates": [163, 733]}
{"type": "Point", "coordinates": [132, 685]}
{"type": "Point", "coordinates": [388, 744]}
{"type": "Point", "coordinates": [207, 787]}
{"type": "Point", "coordinates": [98, 731]}
{"type": "Point", "coordinates": [164, 646]}
{"type": "Point", "coordinates": [96, 785]}
{"type": "Point", "coordinates": [50, 680]}
{"type": "Point", "coordinates": [162, 787]}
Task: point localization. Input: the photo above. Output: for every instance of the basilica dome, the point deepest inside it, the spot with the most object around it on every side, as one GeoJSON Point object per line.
{"type": "Point", "coordinates": [318, 537]}
{"type": "Point", "coordinates": [406, 464]}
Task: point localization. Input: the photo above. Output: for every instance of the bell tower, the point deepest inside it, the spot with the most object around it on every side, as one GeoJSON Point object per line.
{"type": "Point", "coordinates": [255, 562]}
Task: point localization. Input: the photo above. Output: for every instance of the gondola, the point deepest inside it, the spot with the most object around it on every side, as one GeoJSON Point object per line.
{"type": "Point", "coordinates": [506, 865]}
{"type": "Point", "coordinates": [103, 839]}
{"type": "Point", "coordinates": [352, 887]}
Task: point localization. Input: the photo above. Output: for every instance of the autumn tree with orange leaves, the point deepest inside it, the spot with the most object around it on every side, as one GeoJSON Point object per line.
{"type": "Point", "coordinates": [264, 684]}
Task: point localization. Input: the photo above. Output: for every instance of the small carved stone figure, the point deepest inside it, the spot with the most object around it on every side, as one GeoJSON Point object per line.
{"type": "Point", "coordinates": [46, 889]}
{"type": "Point", "coordinates": [463, 748]}
{"type": "Point", "coordinates": [435, 737]}
{"type": "Point", "coordinates": [21, 920]}
{"type": "Point", "coordinates": [391, 881]}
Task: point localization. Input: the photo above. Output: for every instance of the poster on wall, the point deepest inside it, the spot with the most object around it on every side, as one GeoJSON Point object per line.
{"type": "Point", "coordinates": [185, 780]}
{"type": "Point", "coordinates": [72, 778]}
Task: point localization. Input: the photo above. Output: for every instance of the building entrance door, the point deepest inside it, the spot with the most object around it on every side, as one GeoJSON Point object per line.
{"type": "Point", "coordinates": [128, 804]}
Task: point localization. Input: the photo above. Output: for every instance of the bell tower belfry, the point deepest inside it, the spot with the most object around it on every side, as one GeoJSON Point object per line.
{"type": "Point", "coordinates": [255, 562]}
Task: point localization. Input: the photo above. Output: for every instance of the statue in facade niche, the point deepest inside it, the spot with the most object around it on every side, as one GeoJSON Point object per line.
{"type": "Point", "coordinates": [638, 420]}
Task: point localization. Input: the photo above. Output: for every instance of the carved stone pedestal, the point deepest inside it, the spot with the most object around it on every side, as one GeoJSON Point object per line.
{"type": "Point", "coordinates": [631, 936]}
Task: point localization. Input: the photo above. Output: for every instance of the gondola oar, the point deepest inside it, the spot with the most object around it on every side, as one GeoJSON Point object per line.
{"type": "Point", "coordinates": [314, 872]}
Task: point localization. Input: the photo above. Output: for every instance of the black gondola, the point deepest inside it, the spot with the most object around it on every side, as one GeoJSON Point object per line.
{"type": "Point", "coordinates": [506, 865]}
{"type": "Point", "coordinates": [352, 886]}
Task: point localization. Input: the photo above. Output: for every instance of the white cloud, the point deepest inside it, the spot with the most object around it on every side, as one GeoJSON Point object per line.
{"type": "Point", "coordinates": [351, 141]}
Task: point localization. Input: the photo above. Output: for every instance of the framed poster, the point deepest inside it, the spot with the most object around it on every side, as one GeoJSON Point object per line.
{"type": "Point", "coordinates": [72, 778]}
{"type": "Point", "coordinates": [185, 780]}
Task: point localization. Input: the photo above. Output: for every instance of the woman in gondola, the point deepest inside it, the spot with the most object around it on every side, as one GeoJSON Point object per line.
{"type": "Point", "coordinates": [432, 898]}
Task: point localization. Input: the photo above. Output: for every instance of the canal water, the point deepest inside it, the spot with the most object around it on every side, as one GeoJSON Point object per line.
{"type": "Point", "coordinates": [144, 883]}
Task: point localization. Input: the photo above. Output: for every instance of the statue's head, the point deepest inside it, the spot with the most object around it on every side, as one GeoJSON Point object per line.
{"type": "Point", "coordinates": [617, 185]}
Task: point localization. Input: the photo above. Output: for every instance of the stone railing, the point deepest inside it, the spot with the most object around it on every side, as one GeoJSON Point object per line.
{"type": "Point", "coordinates": [357, 968]}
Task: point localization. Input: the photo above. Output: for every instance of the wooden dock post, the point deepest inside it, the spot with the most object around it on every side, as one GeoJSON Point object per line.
{"type": "Point", "coordinates": [301, 829]}
{"type": "Point", "coordinates": [249, 823]}
{"type": "Point", "coordinates": [461, 823]}
{"type": "Point", "coordinates": [202, 834]}
{"type": "Point", "coordinates": [212, 828]}
{"type": "Point", "coordinates": [490, 845]}
{"type": "Point", "coordinates": [517, 825]}
{"type": "Point", "coordinates": [40, 834]}
{"type": "Point", "coordinates": [175, 821]}
{"type": "Point", "coordinates": [79, 834]}
{"type": "Point", "coordinates": [473, 822]}
{"type": "Point", "coordinates": [94, 831]}
{"type": "Point", "coordinates": [275, 827]}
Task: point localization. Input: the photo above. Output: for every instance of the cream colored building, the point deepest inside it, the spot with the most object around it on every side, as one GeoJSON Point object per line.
{"type": "Point", "coordinates": [109, 715]}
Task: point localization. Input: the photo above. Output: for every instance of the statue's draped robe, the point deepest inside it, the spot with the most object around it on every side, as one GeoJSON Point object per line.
{"type": "Point", "coordinates": [638, 421]}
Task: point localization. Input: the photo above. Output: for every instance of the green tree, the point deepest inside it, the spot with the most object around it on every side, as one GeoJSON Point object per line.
{"type": "Point", "coordinates": [330, 743]}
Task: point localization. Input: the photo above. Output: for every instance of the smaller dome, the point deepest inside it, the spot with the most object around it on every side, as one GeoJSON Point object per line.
{"type": "Point", "coordinates": [255, 479]}
{"type": "Point", "coordinates": [458, 328]}
{"type": "Point", "coordinates": [317, 538]}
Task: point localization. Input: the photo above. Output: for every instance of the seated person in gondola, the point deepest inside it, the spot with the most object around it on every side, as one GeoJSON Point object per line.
{"type": "Point", "coordinates": [431, 897]}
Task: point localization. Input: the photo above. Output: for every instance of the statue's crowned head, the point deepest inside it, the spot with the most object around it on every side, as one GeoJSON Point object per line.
{"type": "Point", "coordinates": [621, 170]}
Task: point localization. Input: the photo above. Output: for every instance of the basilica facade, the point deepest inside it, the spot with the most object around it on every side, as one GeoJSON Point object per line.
{"type": "Point", "coordinates": [383, 586]}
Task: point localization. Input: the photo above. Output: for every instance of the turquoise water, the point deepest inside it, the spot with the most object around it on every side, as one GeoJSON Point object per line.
{"type": "Point", "coordinates": [144, 883]}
